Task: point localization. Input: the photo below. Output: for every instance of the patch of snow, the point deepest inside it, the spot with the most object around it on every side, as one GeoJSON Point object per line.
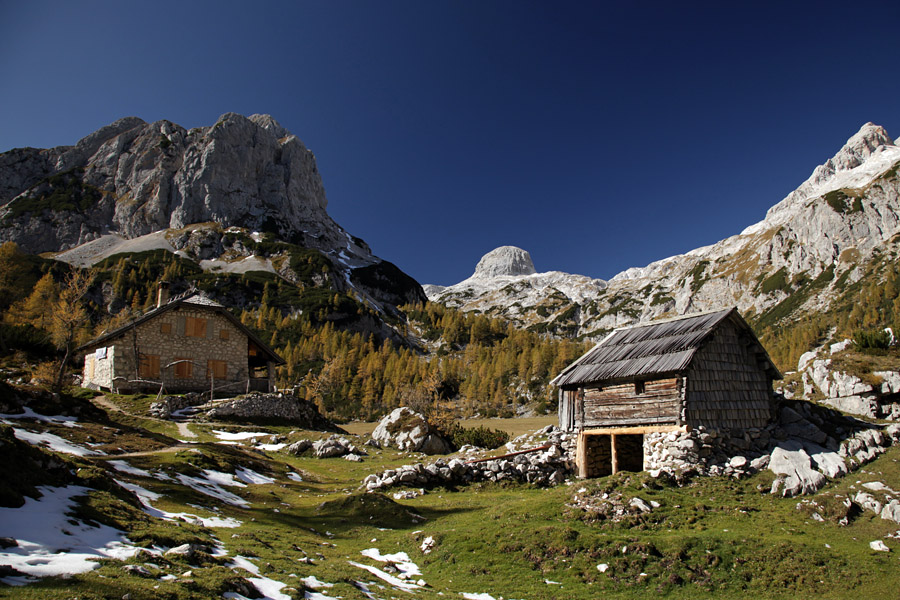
{"type": "Point", "coordinates": [54, 442]}
{"type": "Point", "coordinates": [399, 559]}
{"type": "Point", "coordinates": [252, 477]}
{"type": "Point", "coordinates": [212, 486]}
{"type": "Point", "coordinates": [30, 414]}
{"type": "Point", "coordinates": [312, 582]}
{"type": "Point", "coordinates": [146, 496]}
{"type": "Point", "coordinates": [270, 588]}
{"type": "Point", "coordinates": [270, 447]}
{"type": "Point", "coordinates": [124, 467]}
{"type": "Point", "coordinates": [394, 581]}
{"type": "Point", "coordinates": [51, 543]}
{"type": "Point", "coordinates": [477, 596]}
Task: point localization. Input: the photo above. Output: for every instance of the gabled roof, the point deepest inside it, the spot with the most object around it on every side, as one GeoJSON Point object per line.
{"type": "Point", "coordinates": [658, 348]}
{"type": "Point", "coordinates": [194, 301]}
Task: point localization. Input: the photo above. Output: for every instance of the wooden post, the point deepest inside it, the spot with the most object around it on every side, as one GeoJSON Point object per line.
{"type": "Point", "coordinates": [581, 456]}
{"type": "Point", "coordinates": [612, 449]}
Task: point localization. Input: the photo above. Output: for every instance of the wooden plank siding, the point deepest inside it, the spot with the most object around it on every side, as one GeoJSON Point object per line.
{"type": "Point", "coordinates": [616, 405]}
{"type": "Point", "coordinates": [726, 389]}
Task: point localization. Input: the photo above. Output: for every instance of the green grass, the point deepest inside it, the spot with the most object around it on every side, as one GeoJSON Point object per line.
{"type": "Point", "coordinates": [714, 537]}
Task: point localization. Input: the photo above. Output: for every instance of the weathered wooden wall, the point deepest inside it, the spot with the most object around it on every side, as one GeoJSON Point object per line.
{"type": "Point", "coordinates": [567, 400]}
{"type": "Point", "coordinates": [726, 388]}
{"type": "Point", "coordinates": [620, 405]}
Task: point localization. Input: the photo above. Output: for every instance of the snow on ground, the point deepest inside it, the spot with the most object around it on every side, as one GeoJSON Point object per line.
{"type": "Point", "coordinates": [478, 597]}
{"type": "Point", "coordinates": [400, 559]}
{"type": "Point", "coordinates": [54, 442]}
{"type": "Point", "coordinates": [252, 477]}
{"type": "Point", "coordinates": [124, 467]}
{"type": "Point", "coordinates": [30, 414]}
{"type": "Point", "coordinates": [295, 477]}
{"type": "Point", "coordinates": [240, 435]}
{"type": "Point", "coordinates": [212, 484]}
{"type": "Point", "coordinates": [312, 582]}
{"type": "Point", "coordinates": [52, 543]}
{"type": "Point", "coordinates": [269, 587]}
{"type": "Point", "coordinates": [386, 577]}
{"type": "Point", "coordinates": [146, 497]}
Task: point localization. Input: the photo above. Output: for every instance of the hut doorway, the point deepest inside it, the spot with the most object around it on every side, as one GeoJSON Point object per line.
{"type": "Point", "coordinates": [601, 454]}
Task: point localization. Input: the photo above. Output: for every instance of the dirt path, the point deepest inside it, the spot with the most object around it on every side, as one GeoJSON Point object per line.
{"type": "Point", "coordinates": [184, 430]}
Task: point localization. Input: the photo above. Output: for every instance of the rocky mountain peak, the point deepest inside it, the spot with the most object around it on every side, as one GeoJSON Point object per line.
{"type": "Point", "coordinates": [858, 148]}
{"type": "Point", "coordinates": [505, 260]}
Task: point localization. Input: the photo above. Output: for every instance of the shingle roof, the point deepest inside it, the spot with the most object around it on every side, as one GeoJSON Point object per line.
{"type": "Point", "coordinates": [192, 299]}
{"type": "Point", "coordinates": [658, 348]}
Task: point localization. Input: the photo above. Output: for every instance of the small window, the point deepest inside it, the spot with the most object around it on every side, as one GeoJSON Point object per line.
{"type": "Point", "coordinates": [195, 327]}
{"type": "Point", "coordinates": [165, 328]}
{"type": "Point", "coordinates": [224, 334]}
{"type": "Point", "coordinates": [149, 368]}
{"type": "Point", "coordinates": [183, 370]}
{"type": "Point", "coordinates": [638, 387]}
{"type": "Point", "coordinates": [217, 368]}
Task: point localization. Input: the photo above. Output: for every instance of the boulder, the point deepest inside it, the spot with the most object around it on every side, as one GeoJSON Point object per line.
{"type": "Point", "coordinates": [408, 430]}
{"type": "Point", "coordinates": [794, 466]}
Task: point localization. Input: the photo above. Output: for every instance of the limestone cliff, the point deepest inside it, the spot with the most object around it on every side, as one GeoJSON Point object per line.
{"type": "Point", "coordinates": [818, 239]}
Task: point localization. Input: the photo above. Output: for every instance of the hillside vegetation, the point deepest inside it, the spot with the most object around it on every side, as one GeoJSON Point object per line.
{"type": "Point", "coordinates": [298, 527]}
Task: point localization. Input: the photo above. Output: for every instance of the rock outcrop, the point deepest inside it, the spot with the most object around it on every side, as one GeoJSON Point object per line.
{"type": "Point", "coordinates": [809, 246]}
{"type": "Point", "coordinates": [408, 430]}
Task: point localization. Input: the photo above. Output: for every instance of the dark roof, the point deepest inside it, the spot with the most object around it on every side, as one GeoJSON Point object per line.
{"type": "Point", "coordinates": [663, 347]}
{"type": "Point", "coordinates": [194, 301]}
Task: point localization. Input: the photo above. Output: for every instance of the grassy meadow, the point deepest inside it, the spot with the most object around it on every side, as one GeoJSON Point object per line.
{"type": "Point", "coordinates": [308, 526]}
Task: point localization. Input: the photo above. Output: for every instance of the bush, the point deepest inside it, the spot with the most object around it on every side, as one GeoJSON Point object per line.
{"type": "Point", "coordinates": [871, 340]}
{"type": "Point", "coordinates": [479, 436]}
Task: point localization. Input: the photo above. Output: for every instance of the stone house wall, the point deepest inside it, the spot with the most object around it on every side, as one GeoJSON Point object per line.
{"type": "Point", "coordinates": [209, 340]}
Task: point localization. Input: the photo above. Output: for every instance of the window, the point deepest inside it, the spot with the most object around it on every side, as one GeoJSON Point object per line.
{"type": "Point", "coordinates": [195, 327]}
{"type": "Point", "coordinates": [217, 368]}
{"type": "Point", "coordinates": [224, 334]}
{"type": "Point", "coordinates": [149, 367]}
{"type": "Point", "coordinates": [638, 387]}
{"type": "Point", "coordinates": [165, 328]}
{"type": "Point", "coordinates": [183, 370]}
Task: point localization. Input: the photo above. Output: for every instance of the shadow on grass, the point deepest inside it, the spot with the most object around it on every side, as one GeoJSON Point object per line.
{"type": "Point", "coordinates": [344, 514]}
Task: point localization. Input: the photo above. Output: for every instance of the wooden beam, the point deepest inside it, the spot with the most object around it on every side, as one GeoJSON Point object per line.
{"type": "Point", "coordinates": [612, 450]}
{"type": "Point", "coordinates": [634, 430]}
{"type": "Point", "coordinates": [581, 456]}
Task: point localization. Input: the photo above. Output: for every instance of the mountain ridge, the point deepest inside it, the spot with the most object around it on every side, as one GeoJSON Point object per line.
{"type": "Point", "coordinates": [833, 223]}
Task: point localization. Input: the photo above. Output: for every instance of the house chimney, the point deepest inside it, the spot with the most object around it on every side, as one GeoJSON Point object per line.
{"type": "Point", "coordinates": [162, 295]}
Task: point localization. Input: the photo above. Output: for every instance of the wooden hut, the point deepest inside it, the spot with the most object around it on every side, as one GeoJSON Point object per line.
{"type": "Point", "coordinates": [706, 369]}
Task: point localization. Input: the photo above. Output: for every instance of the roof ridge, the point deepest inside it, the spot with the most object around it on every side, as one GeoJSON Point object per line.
{"type": "Point", "coordinates": [705, 313]}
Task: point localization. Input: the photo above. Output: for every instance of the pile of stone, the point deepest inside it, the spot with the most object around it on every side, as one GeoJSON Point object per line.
{"type": "Point", "coordinates": [545, 467]}
{"type": "Point", "coordinates": [801, 448]}
{"type": "Point", "coordinates": [283, 407]}
{"type": "Point", "coordinates": [331, 447]}
{"type": "Point", "coordinates": [169, 405]}
{"type": "Point", "coordinates": [410, 431]}
{"type": "Point", "coordinates": [613, 506]}
{"type": "Point", "coordinates": [548, 435]}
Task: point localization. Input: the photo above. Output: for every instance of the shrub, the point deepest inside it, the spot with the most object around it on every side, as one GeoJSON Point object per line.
{"type": "Point", "coordinates": [479, 436]}
{"type": "Point", "coordinates": [871, 340]}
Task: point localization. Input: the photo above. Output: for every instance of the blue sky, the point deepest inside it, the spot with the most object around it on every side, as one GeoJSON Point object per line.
{"type": "Point", "coordinates": [597, 136]}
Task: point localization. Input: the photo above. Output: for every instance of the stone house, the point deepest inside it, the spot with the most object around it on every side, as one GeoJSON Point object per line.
{"type": "Point", "coordinates": [188, 343]}
{"type": "Point", "coordinates": [645, 384]}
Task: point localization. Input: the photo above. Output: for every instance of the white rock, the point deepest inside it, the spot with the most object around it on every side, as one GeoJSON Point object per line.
{"type": "Point", "coordinates": [879, 546]}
